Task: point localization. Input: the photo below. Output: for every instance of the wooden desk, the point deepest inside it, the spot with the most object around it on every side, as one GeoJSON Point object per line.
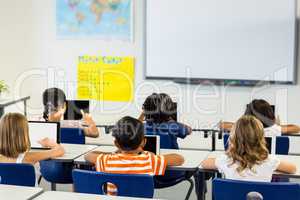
{"type": "Point", "coordinates": [192, 158]}
{"type": "Point", "coordinates": [18, 192]}
{"type": "Point", "coordinates": [77, 196]}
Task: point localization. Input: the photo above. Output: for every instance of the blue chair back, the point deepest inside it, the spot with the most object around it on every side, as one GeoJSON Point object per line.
{"type": "Point", "coordinates": [56, 172]}
{"type": "Point", "coordinates": [224, 189]}
{"type": "Point", "coordinates": [128, 185]}
{"type": "Point", "coordinates": [17, 174]}
{"type": "Point", "coordinates": [72, 136]}
{"type": "Point", "coordinates": [282, 144]}
{"type": "Point", "coordinates": [165, 140]}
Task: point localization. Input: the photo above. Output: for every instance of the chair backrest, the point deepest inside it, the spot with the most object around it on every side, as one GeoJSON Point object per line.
{"type": "Point", "coordinates": [282, 144]}
{"type": "Point", "coordinates": [57, 172]}
{"type": "Point", "coordinates": [128, 185]}
{"type": "Point", "coordinates": [17, 174]}
{"type": "Point", "coordinates": [72, 136]}
{"type": "Point", "coordinates": [224, 189]}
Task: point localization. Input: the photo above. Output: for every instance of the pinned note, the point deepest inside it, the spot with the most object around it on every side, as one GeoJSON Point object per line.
{"type": "Point", "coordinates": [105, 78]}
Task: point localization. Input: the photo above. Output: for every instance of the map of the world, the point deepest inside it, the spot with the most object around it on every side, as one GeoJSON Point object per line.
{"type": "Point", "coordinates": [102, 19]}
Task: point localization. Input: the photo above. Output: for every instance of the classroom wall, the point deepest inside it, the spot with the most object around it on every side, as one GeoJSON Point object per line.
{"type": "Point", "coordinates": [32, 59]}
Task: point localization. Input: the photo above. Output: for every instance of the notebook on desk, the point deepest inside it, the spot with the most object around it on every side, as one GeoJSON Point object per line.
{"type": "Point", "coordinates": [39, 130]}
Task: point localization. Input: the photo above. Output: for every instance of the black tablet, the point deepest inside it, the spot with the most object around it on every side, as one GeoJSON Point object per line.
{"type": "Point", "coordinates": [153, 144]}
{"type": "Point", "coordinates": [74, 107]}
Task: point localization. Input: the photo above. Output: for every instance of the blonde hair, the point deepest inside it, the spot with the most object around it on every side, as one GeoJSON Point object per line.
{"type": "Point", "coordinates": [247, 145]}
{"type": "Point", "coordinates": [14, 137]}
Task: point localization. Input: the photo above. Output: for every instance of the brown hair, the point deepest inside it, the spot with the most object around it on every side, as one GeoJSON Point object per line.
{"type": "Point", "coordinates": [262, 110]}
{"type": "Point", "coordinates": [247, 145]}
{"type": "Point", "coordinates": [14, 138]}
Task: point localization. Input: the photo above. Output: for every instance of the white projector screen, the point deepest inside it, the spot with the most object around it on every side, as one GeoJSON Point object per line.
{"type": "Point", "coordinates": [221, 40]}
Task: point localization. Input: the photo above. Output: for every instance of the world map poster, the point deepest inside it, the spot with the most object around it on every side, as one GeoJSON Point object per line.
{"type": "Point", "coordinates": [99, 19]}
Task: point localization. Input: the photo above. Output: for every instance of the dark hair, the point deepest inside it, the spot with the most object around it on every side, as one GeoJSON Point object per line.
{"type": "Point", "coordinates": [158, 108]}
{"type": "Point", "coordinates": [53, 98]}
{"type": "Point", "coordinates": [262, 110]}
{"type": "Point", "coordinates": [129, 133]}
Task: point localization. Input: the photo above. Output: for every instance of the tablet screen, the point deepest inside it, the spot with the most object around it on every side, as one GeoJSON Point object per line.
{"type": "Point", "coordinates": [153, 144]}
{"type": "Point", "coordinates": [74, 108]}
{"type": "Point", "coordinates": [42, 130]}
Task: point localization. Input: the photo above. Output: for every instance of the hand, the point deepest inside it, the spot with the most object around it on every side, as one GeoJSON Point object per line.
{"type": "Point", "coordinates": [56, 116]}
{"type": "Point", "coordinates": [47, 143]}
{"type": "Point", "coordinates": [58, 151]}
{"type": "Point", "coordinates": [87, 118]}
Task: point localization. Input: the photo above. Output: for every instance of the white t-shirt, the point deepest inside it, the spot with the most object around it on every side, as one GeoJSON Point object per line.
{"type": "Point", "coordinates": [259, 173]}
{"type": "Point", "coordinates": [274, 130]}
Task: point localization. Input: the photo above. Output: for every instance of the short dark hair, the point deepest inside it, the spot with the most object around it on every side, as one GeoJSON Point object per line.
{"type": "Point", "coordinates": [129, 133]}
{"type": "Point", "coordinates": [158, 108]}
{"type": "Point", "coordinates": [262, 110]}
{"type": "Point", "coordinates": [52, 99]}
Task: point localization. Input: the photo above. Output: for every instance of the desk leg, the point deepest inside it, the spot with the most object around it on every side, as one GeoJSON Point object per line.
{"type": "Point", "coordinates": [1, 111]}
{"type": "Point", "coordinates": [25, 108]}
{"type": "Point", "coordinates": [200, 185]}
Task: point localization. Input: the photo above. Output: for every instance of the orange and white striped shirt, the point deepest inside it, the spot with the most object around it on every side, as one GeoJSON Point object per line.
{"type": "Point", "coordinates": [121, 163]}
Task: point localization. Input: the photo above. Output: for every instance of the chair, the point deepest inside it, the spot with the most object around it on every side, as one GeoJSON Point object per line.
{"type": "Point", "coordinates": [224, 189]}
{"type": "Point", "coordinates": [72, 136]}
{"type": "Point", "coordinates": [56, 172]}
{"type": "Point", "coordinates": [128, 185]}
{"type": "Point", "coordinates": [171, 177]}
{"type": "Point", "coordinates": [282, 144]}
{"type": "Point", "coordinates": [17, 174]}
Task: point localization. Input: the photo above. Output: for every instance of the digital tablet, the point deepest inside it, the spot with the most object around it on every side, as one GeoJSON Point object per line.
{"type": "Point", "coordinates": [74, 107]}
{"type": "Point", "coordinates": [40, 130]}
{"type": "Point", "coordinates": [153, 144]}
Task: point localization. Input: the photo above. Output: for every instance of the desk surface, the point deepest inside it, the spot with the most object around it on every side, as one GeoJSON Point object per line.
{"type": "Point", "coordinates": [293, 159]}
{"type": "Point", "coordinates": [74, 196]}
{"type": "Point", "coordinates": [192, 158]}
{"type": "Point", "coordinates": [18, 192]}
{"type": "Point", "coordinates": [73, 151]}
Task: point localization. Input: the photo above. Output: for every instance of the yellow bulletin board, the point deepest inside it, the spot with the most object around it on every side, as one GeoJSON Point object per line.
{"type": "Point", "coordinates": [105, 78]}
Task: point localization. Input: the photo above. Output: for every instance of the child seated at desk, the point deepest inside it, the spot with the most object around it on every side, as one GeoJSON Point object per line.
{"type": "Point", "coordinates": [158, 113]}
{"type": "Point", "coordinates": [263, 111]}
{"type": "Point", "coordinates": [130, 157]}
{"type": "Point", "coordinates": [15, 144]}
{"type": "Point", "coordinates": [54, 101]}
{"type": "Point", "coordinates": [247, 157]}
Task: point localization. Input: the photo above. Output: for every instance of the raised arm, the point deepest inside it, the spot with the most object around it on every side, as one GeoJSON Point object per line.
{"type": "Point", "coordinates": [91, 130]}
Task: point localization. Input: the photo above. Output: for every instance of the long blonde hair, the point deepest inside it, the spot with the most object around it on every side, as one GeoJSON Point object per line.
{"type": "Point", "coordinates": [14, 136]}
{"type": "Point", "coordinates": [247, 145]}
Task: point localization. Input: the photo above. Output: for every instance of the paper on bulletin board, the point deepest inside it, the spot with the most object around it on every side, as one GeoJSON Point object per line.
{"type": "Point", "coordinates": [105, 78]}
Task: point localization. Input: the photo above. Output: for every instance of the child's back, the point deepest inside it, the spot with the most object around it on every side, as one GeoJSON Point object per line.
{"type": "Point", "coordinates": [247, 157]}
{"type": "Point", "coordinates": [131, 158]}
{"type": "Point", "coordinates": [158, 110]}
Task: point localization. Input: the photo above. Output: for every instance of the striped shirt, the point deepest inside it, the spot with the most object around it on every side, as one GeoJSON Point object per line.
{"type": "Point", "coordinates": [121, 163]}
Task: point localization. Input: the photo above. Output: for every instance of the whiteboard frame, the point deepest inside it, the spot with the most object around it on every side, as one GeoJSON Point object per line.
{"type": "Point", "coordinates": [233, 82]}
